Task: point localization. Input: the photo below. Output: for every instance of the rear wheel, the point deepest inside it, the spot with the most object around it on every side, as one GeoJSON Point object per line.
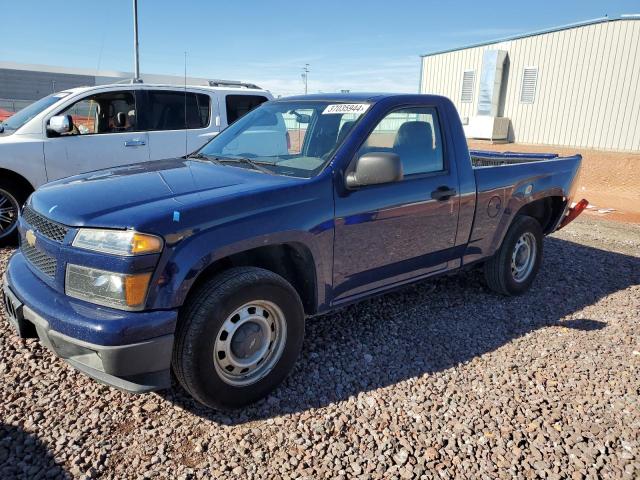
{"type": "Point", "coordinates": [238, 337]}
{"type": "Point", "coordinates": [11, 199]}
{"type": "Point", "coordinates": [513, 268]}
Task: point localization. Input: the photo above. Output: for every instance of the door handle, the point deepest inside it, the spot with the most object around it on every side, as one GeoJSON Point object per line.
{"type": "Point", "coordinates": [134, 143]}
{"type": "Point", "coordinates": [443, 193]}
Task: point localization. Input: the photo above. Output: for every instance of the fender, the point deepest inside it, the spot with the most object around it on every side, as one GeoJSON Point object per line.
{"type": "Point", "coordinates": [500, 201]}
{"type": "Point", "coordinates": [186, 266]}
{"type": "Point", "coordinates": [23, 155]}
{"type": "Point", "coordinates": [308, 223]}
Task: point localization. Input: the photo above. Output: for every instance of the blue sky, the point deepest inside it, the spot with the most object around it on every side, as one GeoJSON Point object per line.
{"type": "Point", "coordinates": [359, 45]}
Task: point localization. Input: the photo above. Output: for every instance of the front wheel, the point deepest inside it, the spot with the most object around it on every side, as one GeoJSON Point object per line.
{"type": "Point", "coordinates": [11, 198]}
{"type": "Point", "coordinates": [238, 337]}
{"type": "Point", "coordinates": [513, 268]}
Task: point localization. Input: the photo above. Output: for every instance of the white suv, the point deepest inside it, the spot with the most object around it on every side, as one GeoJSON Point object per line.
{"type": "Point", "coordinates": [90, 128]}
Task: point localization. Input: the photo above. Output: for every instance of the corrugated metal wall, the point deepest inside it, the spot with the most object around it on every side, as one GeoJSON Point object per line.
{"type": "Point", "coordinates": [29, 85]}
{"type": "Point", "coordinates": [587, 90]}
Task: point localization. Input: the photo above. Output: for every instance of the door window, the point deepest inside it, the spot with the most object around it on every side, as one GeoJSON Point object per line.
{"type": "Point", "coordinates": [167, 110]}
{"type": "Point", "coordinates": [413, 134]}
{"type": "Point", "coordinates": [239, 105]}
{"type": "Point", "coordinates": [112, 112]}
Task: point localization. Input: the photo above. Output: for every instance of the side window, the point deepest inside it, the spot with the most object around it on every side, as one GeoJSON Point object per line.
{"type": "Point", "coordinates": [239, 105]}
{"type": "Point", "coordinates": [111, 112]}
{"type": "Point", "coordinates": [167, 110]}
{"type": "Point", "coordinates": [413, 134]}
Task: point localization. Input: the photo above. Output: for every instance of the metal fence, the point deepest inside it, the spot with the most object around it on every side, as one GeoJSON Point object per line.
{"type": "Point", "coordinates": [13, 105]}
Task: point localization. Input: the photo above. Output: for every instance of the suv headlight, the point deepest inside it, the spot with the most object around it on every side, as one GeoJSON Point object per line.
{"type": "Point", "coordinates": [117, 242]}
{"type": "Point", "coordinates": [117, 290]}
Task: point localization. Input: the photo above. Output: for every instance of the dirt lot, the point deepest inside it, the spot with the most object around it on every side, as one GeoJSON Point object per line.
{"type": "Point", "coordinates": [439, 380]}
{"type": "Point", "coordinates": [608, 179]}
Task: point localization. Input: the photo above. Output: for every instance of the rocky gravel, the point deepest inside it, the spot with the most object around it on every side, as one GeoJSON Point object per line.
{"type": "Point", "coordinates": [439, 380]}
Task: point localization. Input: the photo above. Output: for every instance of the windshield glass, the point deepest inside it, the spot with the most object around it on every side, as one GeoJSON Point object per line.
{"type": "Point", "coordinates": [21, 117]}
{"type": "Point", "coordinates": [294, 138]}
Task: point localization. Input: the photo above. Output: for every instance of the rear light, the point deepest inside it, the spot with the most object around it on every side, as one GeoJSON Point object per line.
{"type": "Point", "coordinates": [574, 212]}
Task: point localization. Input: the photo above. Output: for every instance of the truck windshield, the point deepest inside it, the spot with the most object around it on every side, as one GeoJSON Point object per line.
{"type": "Point", "coordinates": [21, 117]}
{"type": "Point", "coordinates": [294, 138]}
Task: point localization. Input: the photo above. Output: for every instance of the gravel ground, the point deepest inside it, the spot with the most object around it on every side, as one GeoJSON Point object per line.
{"type": "Point", "coordinates": [439, 380]}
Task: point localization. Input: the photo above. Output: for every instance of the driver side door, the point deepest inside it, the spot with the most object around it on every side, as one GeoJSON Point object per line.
{"type": "Point", "coordinates": [105, 134]}
{"type": "Point", "coordinates": [392, 233]}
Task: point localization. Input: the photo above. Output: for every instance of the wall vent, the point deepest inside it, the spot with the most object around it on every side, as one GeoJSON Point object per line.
{"type": "Point", "coordinates": [529, 83]}
{"type": "Point", "coordinates": [468, 79]}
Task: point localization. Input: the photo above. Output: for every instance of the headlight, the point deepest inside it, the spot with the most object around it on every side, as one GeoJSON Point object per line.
{"type": "Point", "coordinates": [117, 242]}
{"type": "Point", "coordinates": [118, 290]}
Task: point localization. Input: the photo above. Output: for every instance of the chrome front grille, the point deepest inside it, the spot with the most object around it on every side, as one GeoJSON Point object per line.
{"type": "Point", "coordinates": [52, 230]}
{"type": "Point", "coordinates": [43, 262]}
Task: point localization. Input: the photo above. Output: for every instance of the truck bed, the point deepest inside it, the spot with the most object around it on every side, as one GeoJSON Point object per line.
{"type": "Point", "coordinates": [484, 158]}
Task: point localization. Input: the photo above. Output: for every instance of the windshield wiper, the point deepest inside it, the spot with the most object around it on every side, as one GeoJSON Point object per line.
{"type": "Point", "coordinates": [255, 164]}
{"type": "Point", "coordinates": [203, 156]}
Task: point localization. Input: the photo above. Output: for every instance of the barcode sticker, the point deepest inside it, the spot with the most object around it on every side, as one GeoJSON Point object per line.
{"type": "Point", "coordinates": [357, 108]}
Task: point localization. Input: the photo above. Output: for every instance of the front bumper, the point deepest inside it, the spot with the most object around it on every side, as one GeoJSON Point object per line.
{"type": "Point", "coordinates": [127, 350]}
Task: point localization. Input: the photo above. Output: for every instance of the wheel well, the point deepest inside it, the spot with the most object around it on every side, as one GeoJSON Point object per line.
{"type": "Point", "coordinates": [14, 178]}
{"type": "Point", "coordinates": [546, 211]}
{"type": "Point", "coordinates": [292, 261]}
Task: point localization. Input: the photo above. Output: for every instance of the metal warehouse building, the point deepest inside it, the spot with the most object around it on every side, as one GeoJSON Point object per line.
{"type": "Point", "coordinates": [577, 85]}
{"type": "Point", "coordinates": [21, 84]}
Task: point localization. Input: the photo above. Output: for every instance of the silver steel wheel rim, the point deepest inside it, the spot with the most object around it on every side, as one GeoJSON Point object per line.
{"type": "Point", "coordinates": [9, 209]}
{"type": "Point", "coordinates": [523, 257]}
{"type": "Point", "coordinates": [250, 343]}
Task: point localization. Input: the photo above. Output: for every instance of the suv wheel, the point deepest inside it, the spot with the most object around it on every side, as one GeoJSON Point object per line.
{"type": "Point", "coordinates": [10, 201]}
{"type": "Point", "coordinates": [238, 337]}
{"type": "Point", "coordinates": [513, 268]}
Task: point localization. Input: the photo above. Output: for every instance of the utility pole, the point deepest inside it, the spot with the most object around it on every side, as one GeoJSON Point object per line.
{"type": "Point", "coordinates": [305, 77]}
{"type": "Point", "coordinates": [136, 61]}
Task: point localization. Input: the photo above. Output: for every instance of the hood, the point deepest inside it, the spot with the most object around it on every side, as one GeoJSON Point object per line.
{"type": "Point", "coordinates": [124, 197]}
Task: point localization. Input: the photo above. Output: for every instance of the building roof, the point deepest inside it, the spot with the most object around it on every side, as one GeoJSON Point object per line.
{"type": "Point", "coordinates": [633, 16]}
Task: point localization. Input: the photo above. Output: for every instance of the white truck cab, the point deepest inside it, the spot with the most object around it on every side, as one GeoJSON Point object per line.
{"type": "Point", "coordinates": [89, 128]}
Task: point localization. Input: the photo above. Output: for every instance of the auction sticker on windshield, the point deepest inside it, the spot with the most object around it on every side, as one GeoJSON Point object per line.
{"type": "Point", "coordinates": [357, 108]}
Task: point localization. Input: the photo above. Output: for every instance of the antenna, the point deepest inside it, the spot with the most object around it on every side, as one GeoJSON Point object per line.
{"type": "Point", "coordinates": [186, 127]}
{"type": "Point", "coordinates": [136, 62]}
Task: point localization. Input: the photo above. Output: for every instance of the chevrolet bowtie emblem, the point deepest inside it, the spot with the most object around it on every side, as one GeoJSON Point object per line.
{"type": "Point", "coordinates": [31, 238]}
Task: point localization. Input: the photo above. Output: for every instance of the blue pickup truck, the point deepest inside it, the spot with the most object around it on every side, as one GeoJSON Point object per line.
{"type": "Point", "coordinates": [209, 265]}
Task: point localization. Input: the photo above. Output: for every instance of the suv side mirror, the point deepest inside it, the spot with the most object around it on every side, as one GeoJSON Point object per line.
{"type": "Point", "coordinates": [375, 168]}
{"type": "Point", "coordinates": [60, 124]}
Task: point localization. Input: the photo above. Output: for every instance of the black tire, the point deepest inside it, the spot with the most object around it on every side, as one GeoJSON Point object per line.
{"type": "Point", "coordinates": [498, 272]}
{"type": "Point", "coordinates": [11, 196]}
{"type": "Point", "coordinates": [200, 326]}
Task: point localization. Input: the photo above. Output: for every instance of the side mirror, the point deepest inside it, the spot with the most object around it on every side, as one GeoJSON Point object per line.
{"type": "Point", "coordinates": [301, 117]}
{"type": "Point", "coordinates": [375, 168]}
{"type": "Point", "coordinates": [60, 124]}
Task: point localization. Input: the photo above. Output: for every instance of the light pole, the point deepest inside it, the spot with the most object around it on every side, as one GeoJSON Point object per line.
{"type": "Point", "coordinates": [305, 77]}
{"type": "Point", "coordinates": [136, 61]}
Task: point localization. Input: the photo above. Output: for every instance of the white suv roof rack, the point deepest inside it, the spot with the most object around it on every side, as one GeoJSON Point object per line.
{"type": "Point", "coordinates": [232, 83]}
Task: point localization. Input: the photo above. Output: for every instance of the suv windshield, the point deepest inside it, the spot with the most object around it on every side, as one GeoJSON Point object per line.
{"type": "Point", "coordinates": [21, 117]}
{"type": "Point", "coordinates": [295, 138]}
